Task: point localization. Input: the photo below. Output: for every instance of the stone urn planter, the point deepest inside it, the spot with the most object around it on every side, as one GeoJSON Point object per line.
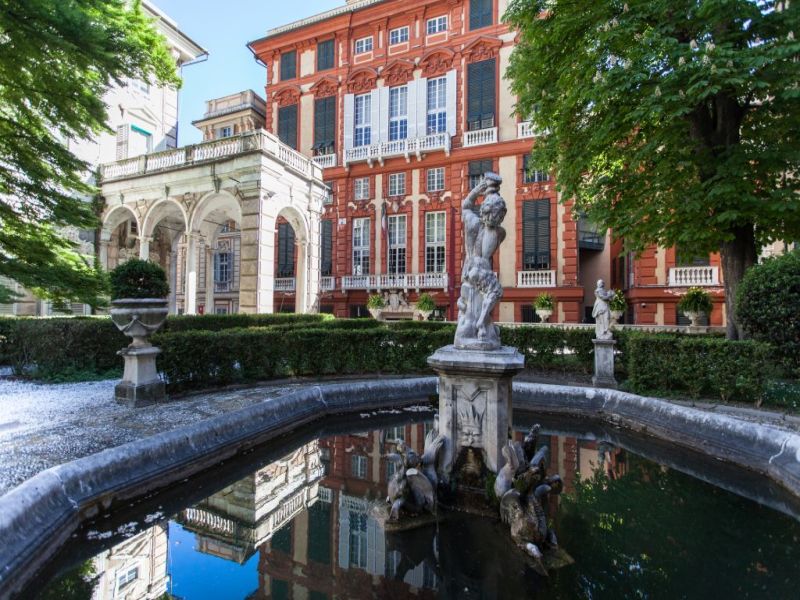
{"type": "Point", "coordinates": [375, 312]}
{"type": "Point", "coordinates": [694, 317]}
{"type": "Point", "coordinates": [425, 314]}
{"type": "Point", "coordinates": [616, 315]}
{"type": "Point", "coordinates": [139, 318]}
{"type": "Point", "coordinates": [544, 314]}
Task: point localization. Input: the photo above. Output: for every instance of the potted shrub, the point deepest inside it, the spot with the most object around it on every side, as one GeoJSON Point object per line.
{"type": "Point", "coordinates": [544, 306]}
{"type": "Point", "coordinates": [425, 305]}
{"type": "Point", "coordinates": [617, 306]}
{"type": "Point", "coordinates": [695, 302]}
{"type": "Point", "coordinates": [375, 304]}
{"type": "Point", "coordinates": [139, 304]}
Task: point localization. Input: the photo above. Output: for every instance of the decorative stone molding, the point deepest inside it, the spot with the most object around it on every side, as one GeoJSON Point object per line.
{"type": "Point", "coordinates": [483, 48]}
{"type": "Point", "coordinates": [398, 72]}
{"type": "Point", "coordinates": [436, 62]}
{"type": "Point", "coordinates": [287, 96]}
{"type": "Point", "coordinates": [325, 87]}
{"type": "Point", "coordinates": [362, 80]}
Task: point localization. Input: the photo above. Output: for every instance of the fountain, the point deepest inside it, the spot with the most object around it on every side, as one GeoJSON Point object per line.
{"type": "Point", "coordinates": [470, 462]}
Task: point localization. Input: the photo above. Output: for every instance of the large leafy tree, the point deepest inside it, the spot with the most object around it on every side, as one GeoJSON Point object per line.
{"type": "Point", "coordinates": [673, 122]}
{"type": "Point", "coordinates": [57, 59]}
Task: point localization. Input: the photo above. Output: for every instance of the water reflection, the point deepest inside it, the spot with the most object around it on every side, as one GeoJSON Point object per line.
{"type": "Point", "coordinates": [303, 527]}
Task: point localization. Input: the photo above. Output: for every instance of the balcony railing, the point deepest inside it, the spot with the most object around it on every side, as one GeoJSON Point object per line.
{"type": "Point", "coordinates": [284, 284]}
{"type": "Point", "coordinates": [693, 276]}
{"type": "Point", "coordinates": [415, 146]}
{"type": "Point", "coordinates": [480, 137]}
{"type": "Point", "coordinates": [326, 284]}
{"type": "Point", "coordinates": [536, 279]}
{"type": "Point", "coordinates": [403, 281]}
{"type": "Point", "coordinates": [210, 151]}
{"type": "Point", "coordinates": [326, 161]}
{"type": "Point", "coordinates": [525, 130]}
{"type": "Point", "coordinates": [223, 286]}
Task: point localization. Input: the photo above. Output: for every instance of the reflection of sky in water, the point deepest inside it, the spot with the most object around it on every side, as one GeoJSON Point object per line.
{"type": "Point", "coordinates": [199, 576]}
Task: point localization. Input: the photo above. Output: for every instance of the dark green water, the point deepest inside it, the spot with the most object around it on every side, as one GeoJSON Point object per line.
{"type": "Point", "coordinates": [295, 521]}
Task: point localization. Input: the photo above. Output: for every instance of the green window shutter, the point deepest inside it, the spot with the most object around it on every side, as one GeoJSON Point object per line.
{"type": "Point", "coordinates": [324, 124]}
{"type": "Point", "coordinates": [319, 532]}
{"type": "Point", "coordinates": [285, 250]}
{"type": "Point", "coordinates": [325, 55]}
{"type": "Point", "coordinates": [480, 14]}
{"type": "Point", "coordinates": [287, 125]}
{"type": "Point", "coordinates": [535, 235]}
{"type": "Point", "coordinates": [477, 169]}
{"type": "Point", "coordinates": [288, 65]}
{"type": "Point", "coordinates": [481, 94]}
{"type": "Point", "coordinates": [327, 248]}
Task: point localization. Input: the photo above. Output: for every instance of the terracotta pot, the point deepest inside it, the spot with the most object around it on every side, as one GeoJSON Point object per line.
{"type": "Point", "coordinates": [139, 318]}
{"type": "Point", "coordinates": [544, 314]}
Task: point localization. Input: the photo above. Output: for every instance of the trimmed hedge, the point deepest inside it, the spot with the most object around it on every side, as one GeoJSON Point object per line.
{"type": "Point", "coordinates": [698, 366]}
{"type": "Point", "coordinates": [552, 348]}
{"type": "Point", "coordinates": [201, 359]}
{"type": "Point", "coordinates": [238, 321]}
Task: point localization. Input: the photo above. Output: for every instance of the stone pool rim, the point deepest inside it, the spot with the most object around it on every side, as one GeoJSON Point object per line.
{"type": "Point", "coordinates": [38, 517]}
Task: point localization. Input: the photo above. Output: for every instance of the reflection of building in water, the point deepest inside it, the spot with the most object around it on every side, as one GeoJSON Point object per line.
{"type": "Point", "coordinates": [136, 569]}
{"type": "Point", "coordinates": [235, 521]}
{"type": "Point", "coordinates": [337, 548]}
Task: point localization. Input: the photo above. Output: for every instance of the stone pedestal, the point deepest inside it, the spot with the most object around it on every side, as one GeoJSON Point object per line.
{"type": "Point", "coordinates": [140, 385]}
{"type": "Point", "coordinates": [604, 364]}
{"type": "Point", "coordinates": [474, 402]}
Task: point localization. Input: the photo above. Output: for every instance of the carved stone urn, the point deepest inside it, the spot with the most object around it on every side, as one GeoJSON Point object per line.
{"type": "Point", "coordinates": [694, 317]}
{"type": "Point", "coordinates": [139, 318]}
{"type": "Point", "coordinates": [616, 315]}
{"type": "Point", "coordinates": [544, 314]}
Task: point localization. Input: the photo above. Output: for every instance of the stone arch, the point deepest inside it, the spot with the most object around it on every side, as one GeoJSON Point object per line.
{"type": "Point", "coordinates": [214, 206]}
{"type": "Point", "coordinates": [163, 230]}
{"type": "Point", "coordinates": [114, 251]}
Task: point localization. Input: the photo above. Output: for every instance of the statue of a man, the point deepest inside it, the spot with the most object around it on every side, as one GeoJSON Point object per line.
{"type": "Point", "coordinates": [601, 311]}
{"type": "Point", "coordinates": [480, 289]}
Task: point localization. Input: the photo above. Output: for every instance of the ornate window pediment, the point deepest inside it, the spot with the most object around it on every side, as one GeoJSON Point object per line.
{"type": "Point", "coordinates": [287, 96]}
{"type": "Point", "coordinates": [325, 87]}
{"type": "Point", "coordinates": [398, 72]}
{"type": "Point", "coordinates": [362, 80]}
{"type": "Point", "coordinates": [483, 48]}
{"type": "Point", "coordinates": [437, 62]}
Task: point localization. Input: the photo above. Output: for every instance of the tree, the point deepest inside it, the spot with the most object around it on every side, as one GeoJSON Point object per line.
{"type": "Point", "coordinates": [57, 59]}
{"type": "Point", "coordinates": [672, 122]}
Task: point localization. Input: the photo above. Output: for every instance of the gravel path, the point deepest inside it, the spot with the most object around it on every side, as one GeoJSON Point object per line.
{"type": "Point", "coordinates": [45, 425]}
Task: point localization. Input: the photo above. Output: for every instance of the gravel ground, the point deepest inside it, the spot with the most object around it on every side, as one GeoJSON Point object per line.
{"type": "Point", "coordinates": [45, 425]}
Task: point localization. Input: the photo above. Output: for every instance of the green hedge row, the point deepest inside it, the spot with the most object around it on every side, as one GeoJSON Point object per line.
{"type": "Point", "coordinates": [697, 366]}
{"type": "Point", "coordinates": [552, 349]}
{"type": "Point", "coordinates": [200, 359]}
{"type": "Point", "coordinates": [238, 321]}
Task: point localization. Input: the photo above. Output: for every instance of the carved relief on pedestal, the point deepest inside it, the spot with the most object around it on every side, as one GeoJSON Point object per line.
{"type": "Point", "coordinates": [470, 409]}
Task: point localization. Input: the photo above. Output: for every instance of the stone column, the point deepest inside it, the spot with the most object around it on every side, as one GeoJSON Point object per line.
{"type": "Point", "coordinates": [604, 363]}
{"type": "Point", "coordinates": [209, 306]}
{"type": "Point", "coordinates": [190, 301]}
{"type": "Point", "coordinates": [104, 254]}
{"type": "Point", "coordinates": [144, 247]}
{"type": "Point", "coordinates": [301, 276]}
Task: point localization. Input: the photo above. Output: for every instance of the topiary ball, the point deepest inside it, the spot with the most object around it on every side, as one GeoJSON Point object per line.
{"type": "Point", "coordinates": [138, 279]}
{"type": "Point", "coordinates": [768, 304]}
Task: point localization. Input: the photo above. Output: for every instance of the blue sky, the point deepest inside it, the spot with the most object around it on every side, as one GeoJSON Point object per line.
{"type": "Point", "coordinates": [224, 28]}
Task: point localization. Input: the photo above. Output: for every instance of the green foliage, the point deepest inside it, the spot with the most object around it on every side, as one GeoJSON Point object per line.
{"type": "Point", "coordinates": [76, 584]}
{"type": "Point", "coordinates": [695, 300]}
{"type": "Point", "coordinates": [768, 305]}
{"type": "Point", "coordinates": [138, 278]}
{"type": "Point", "coordinates": [375, 302]}
{"type": "Point", "coordinates": [57, 59]}
{"type": "Point", "coordinates": [236, 321]}
{"type": "Point", "coordinates": [551, 348]}
{"type": "Point", "coordinates": [698, 366]}
{"type": "Point", "coordinates": [425, 302]}
{"type": "Point", "coordinates": [544, 301]}
{"type": "Point", "coordinates": [618, 301]}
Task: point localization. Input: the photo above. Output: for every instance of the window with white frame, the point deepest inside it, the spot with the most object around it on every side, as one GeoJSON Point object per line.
{"type": "Point", "coordinates": [435, 180]}
{"type": "Point", "coordinates": [394, 434]}
{"type": "Point", "coordinates": [434, 242]}
{"type": "Point", "coordinates": [361, 246]}
{"type": "Point", "coordinates": [397, 244]}
{"type": "Point", "coordinates": [398, 36]}
{"type": "Point", "coordinates": [362, 136]}
{"type": "Point", "coordinates": [359, 466]}
{"type": "Point", "coordinates": [127, 577]}
{"type": "Point", "coordinates": [222, 267]}
{"type": "Point", "coordinates": [358, 539]}
{"type": "Point", "coordinates": [364, 45]}
{"type": "Point", "coordinates": [361, 188]}
{"type": "Point", "coordinates": [397, 184]}
{"type": "Point", "coordinates": [437, 25]}
{"type": "Point", "coordinates": [398, 113]}
{"type": "Point", "coordinates": [437, 105]}
{"type": "Point", "coordinates": [225, 132]}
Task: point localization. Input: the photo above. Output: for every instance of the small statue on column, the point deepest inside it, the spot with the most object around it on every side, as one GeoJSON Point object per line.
{"type": "Point", "coordinates": [601, 311]}
{"type": "Point", "coordinates": [480, 288]}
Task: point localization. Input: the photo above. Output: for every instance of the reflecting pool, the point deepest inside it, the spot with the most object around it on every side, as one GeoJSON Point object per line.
{"type": "Point", "coordinates": [297, 520]}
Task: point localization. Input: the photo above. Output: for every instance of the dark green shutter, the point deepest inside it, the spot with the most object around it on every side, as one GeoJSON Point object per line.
{"type": "Point", "coordinates": [477, 169]}
{"type": "Point", "coordinates": [287, 125]}
{"type": "Point", "coordinates": [324, 124]}
{"type": "Point", "coordinates": [480, 13]}
{"type": "Point", "coordinates": [319, 533]}
{"type": "Point", "coordinates": [325, 55]}
{"type": "Point", "coordinates": [327, 248]}
{"type": "Point", "coordinates": [288, 65]}
{"type": "Point", "coordinates": [481, 94]}
{"type": "Point", "coordinates": [536, 234]}
{"type": "Point", "coordinates": [285, 250]}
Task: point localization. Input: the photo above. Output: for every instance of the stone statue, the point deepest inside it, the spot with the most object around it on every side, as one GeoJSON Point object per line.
{"type": "Point", "coordinates": [601, 311]}
{"type": "Point", "coordinates": [480, 289]}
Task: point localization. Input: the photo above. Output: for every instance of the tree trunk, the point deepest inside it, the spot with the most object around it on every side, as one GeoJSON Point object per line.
{"type": "Point", "coordinates": [738, 255]}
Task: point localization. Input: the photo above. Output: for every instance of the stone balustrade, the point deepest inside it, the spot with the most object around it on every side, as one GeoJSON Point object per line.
{"type": "Point", "coordinates": [326, 161]}
{"type": "Point", "coordinates": [407, 148]}
{"type": "Point", "coordinates": [285, 284]}
{"type": "Point", "coordinates": [693, 276]}
{"type": "Point", "coordinates": [525, 130]}
{"type": "Point", "coordinates": [536, 279]}
{"type": "Point", "coordinates": [404, 281]}
{"type": "Point", "coordinates": [480, 137]}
